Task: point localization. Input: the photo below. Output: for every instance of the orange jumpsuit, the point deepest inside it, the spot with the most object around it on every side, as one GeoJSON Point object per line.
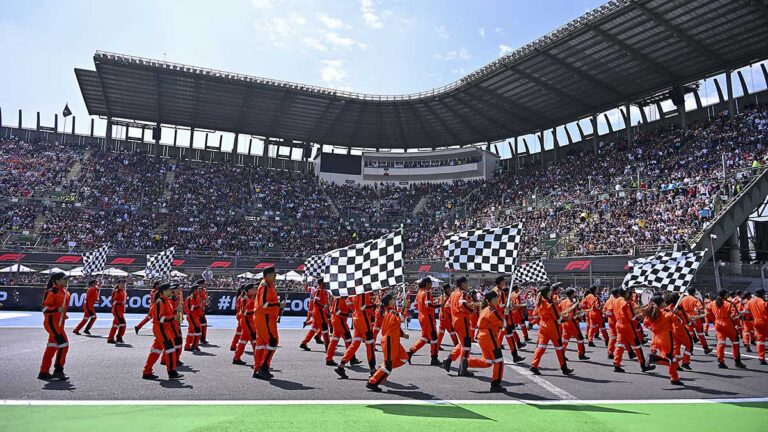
{"type": "Point", "coordinates": [681, 339]}
{"type": "Point", "coordinates": [570, 327]}
{"type": "Point", "coordinates": [710, 318]}
{"type": "Point", "coordinates": [446, 322]}
{"type": "Point", "coordinates": [508, 331]}
{"type": "Point", "coordinates": [426, 307]}
{"type": "Point", "coordinates": [239, 330]}
{"type": "Point", "coordinates": [362, 310]}
{"type": "Point", "coordinates": [377, 317]}
{"type": "Point", "coordinates": [89, 313]}
{"type": "Point", "coordinates": [549, 331]}
{"type": "Point", "coordinates": [626, 332]}
{"type": "Point", "coordinates": [193, 310]}
{"type": "Point", "coordinates": [163, 314]}
{"type": "Point", "coordinates": [461, 313]}
{"type": "Point", "coordinates": [747, 324]}
{"type": "Point", "coordinates": [608, 312]}
{"type": "Point", "coordinates": [118, 315]}
{"type": "Point", "coordinates": [758, 308]}
{"type": "Point", "coordinates": [178, 341]}
{"type": "Point", "coordinates": [202, 293]}
{"type": "Point", "coordinates": [516, 314]}
{"type": "Point", "coordinates": [319, 317]}
{"type": "Point", "coordinates": [693, 307]}
{"type": "Point", "coordinates": [394, 353]}
{"type": "Point", "coordinates": [247, 326]}
{"type": "Point", "coordinates": [595, 322]}
{"type": "Point", "coordinates": [661, 326]}
{"type": "Point", "coordinates": [725, 329]}
{"type": "Point", "coordinates": [490, 325]}
{"type": "Point", "coordinates": [53, 322]}
{"type": "Point", "coordinates": [266, 310]}
{"type": "Point", "coordinates": [339, 316]}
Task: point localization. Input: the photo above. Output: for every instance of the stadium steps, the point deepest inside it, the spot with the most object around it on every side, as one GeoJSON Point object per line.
{"type": "Point", "coordinates": [733, 214]}
{"type": "Point", "coordinates": [74, 172]}
{"type": "Point", "coordinates": [334, 209]}
{"type": "Point", "coordinates": [421, 204]}
{"type": "Point", "coordinates": [170, 176]}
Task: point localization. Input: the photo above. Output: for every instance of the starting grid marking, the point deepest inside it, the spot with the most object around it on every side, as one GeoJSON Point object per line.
{"type": "Point", "coordinates": [21, 402]}
{"type": "Point", "coordinates": [541, 382]}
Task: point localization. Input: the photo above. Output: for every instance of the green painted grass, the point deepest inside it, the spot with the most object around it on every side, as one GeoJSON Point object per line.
{"type": "Point", "coordinates": [736, 417]}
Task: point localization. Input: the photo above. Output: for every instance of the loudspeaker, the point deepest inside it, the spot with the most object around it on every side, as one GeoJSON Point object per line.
{"type": "Point", "coordinates": [677, 95]}
{"type": "Point", "coordinates": [307, 153]}
{"type": "Point", "coordinates": [156, 133]}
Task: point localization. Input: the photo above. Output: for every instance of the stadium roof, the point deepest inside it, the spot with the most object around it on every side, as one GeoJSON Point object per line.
{"type": "Point", "coordinates": [620, 52]}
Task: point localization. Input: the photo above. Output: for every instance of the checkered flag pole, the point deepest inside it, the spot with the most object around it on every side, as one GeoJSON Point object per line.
{"type": "Point", "coordinates": [365, 267]}
{"type": "Point", "coordinates": [315, 265]}
{"type": "Point", "coordinates": [670, 271]}
{"type": "Point", "coordinates": [532, 272]}
{"type": "Point", "coordinates": [491, 250]}
{"type": "Point", "coordinates": [95, 260]}
{"type": "Point", "coordinates": [159, 265]}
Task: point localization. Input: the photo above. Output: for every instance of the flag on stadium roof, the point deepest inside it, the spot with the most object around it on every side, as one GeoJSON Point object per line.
{"type": "Point", "coordinates": [159, 265]}
{"type": "Point", "coordinates": [368, 266]}
{"type": "Point", "coordinates": [532, 272]}
{"type": "Point", "coordinates": [95, 260]}
{"type": "Point", "coordinates": [671, 271]}
{"type": "Point", "coordinates": [492, 250]}
{"type": "Point", "coordinates": [67, 112]}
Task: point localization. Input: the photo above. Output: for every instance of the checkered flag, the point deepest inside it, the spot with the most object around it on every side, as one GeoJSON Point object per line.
{"type": "Point", "coordinates": [159, 265]}
{"type": "Point", "coordinates": [315, 265]}
{"type": "Point", "coordinates": [671, 271]}
{"type": "Point", "coordinates": [365, 267]}
{"type": "Point", "coordinates": [492, 250]}
{"type": "Point", "coordinates": [532, 272]}
{"type": "Point", "coordinates": [95, 260]}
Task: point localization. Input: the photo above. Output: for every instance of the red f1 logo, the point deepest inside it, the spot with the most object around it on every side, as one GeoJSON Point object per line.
{"type": "Point", "coordinates": [69, 259]}
{"type": "Point", "coordinates": [177, 262]}
{"type": "Point", "coordinates": [578, 265]}
{"type": "Point", "coordinates": [11, 257]}
{"type": "Point", "coordinates": [426, 268]}
{"type": "Point", "coordinates": [123, 261]}
{"type": "Point", "coordinates": [221, 264]}
{"type": "Point", "coordinates": [263, 265]}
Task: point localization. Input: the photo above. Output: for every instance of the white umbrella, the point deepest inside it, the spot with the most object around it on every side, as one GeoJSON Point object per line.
{"type": "Point", "coordinates": [176, 273]}
{"type": "Point", "coordinates": [53, 270]}
{"type": "Point", "coordinates": [246, 275]}
{"type": "Point", "coordinates": [17, 268]}
{"type": "Point", "coordinates": [112, 272]}
{"type": "Point", "coordinates": [293, 276]}
{"type": "Point", "coordinates": [77, 271]}
{"type": "Point", "coordinates": [280, 277]}
{"type": "Point", "coordinates": [139, 273]}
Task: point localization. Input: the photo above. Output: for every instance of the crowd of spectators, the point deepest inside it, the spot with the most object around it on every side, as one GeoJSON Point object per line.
{"type": "Point", "coordinates": [659, 190]}
{"type": "Point", "coordinates": [429, 163]}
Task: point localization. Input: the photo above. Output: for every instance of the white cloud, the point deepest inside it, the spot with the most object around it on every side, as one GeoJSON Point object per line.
{"type": "Point", "coordinates": [279, 29]}
{"type": "Point", "coordinates": [460, 54]}
{"type": "Point", "coordinates": [333, 71]}
{"type": "Point", "coordinates": [459, 71]}
{"type": "Point", "coordinates": [442, 32]}
{"type": "Point", "coordinates": [330, 22]}
{"type": "Point", "coordinates": [481, 32]}
{"type": "Point", "coordinates": [504, 50]}
{"type": "Point", "coordinates": [262, 4]}
{"type": "Point", "coordinates": [339, 41]}
{"type": "Point", "coordinates": [315, 44]}
{"type": "Point", "coordinates": [370, 17]}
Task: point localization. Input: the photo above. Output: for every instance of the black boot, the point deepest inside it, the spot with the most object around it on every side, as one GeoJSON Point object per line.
{"type": "Point", "coordinates": [238, 362]}
{"type": "Point", "coordinates": [497, 388]}
{"type": "Point", "coordinates": [175, 375]}
{"type": "Point", "coordinates": [410, 356]}
{"type": "Point", "coordinates": [331, 363]}
{"type": "Point", "coordinates": [722, 365]}
{"type": "Point", "coordinates": [435, 361]}
{"type": "Point", "coordinates": [739, 364]}
{"type": "Point", "coordinates": [304, 347]}
{"type": "Point", "coordinates": [447, 364]}
{"type": "Point", "coordinates": [535, 370]}
{"type": "Point", "coordinates": [618, 369]}
{"type": "Point", "coordinates": [517, 358]}
{"type": "Point", "coordinates": [373, 387]}
{"type": "Point", "coordinates": [45, 376]}
{"type": "Point", "coordinates": [341, 372]}
{"type": "Point", "coordinates": [58, 373]}
{"type": "Point", "coordinates": [463, 369]}
{"type": "Point", "coordinates": [565, 370]}
{"type": "Point", "coordinates": [265, 371]}
{"type": "Point", "coordinates": [355, 361]}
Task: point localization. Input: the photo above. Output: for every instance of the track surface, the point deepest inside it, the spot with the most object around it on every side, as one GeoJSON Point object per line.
{"type": "Point", "coordinates": [99, 371]}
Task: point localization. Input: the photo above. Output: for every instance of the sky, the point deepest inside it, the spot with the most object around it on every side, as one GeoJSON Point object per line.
{"type": "Point", "coordinates": [368, 46]}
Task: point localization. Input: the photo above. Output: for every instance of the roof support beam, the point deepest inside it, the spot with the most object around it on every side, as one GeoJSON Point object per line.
{"type": "Point", "coordinates": [527, 115]}
{"type": "Point", "coordinates": [582, 74]}
{"type": "Point", "coordinates": [103, 90]}
{"type": "Point", "coordinates": [356, 128]}
{"type": "Point", "coordinates": [462, 119]}
{"type": "Point", "coordinates": [677, 32]}
{"type": "Point", "coordinates": [459, 98]}
{"type": "Point", "coordinates": [550, 88]}
{"type": "Point", "coordinates": [759, 4]}
{"type": "Point", "coordinates": [398, 115]}
{"type": "Point", "coordinates": [276, 116]}
{"type": "Point", "coordinates": [331, 124]}
{"type": "Point", "coordinates": [653, 64]}
{"type": "Point", "coordinates": [450, 132]}
{"type": "Point", "coordinates": [320, 119]}
{"type": "Point", "coordinates": [430, 138]}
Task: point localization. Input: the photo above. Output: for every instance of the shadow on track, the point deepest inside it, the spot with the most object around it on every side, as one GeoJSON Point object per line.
{"type": "Point", "coordinates": [175, 384]}
{"type": "Point", "coordinates": [59, 386]}
{"type": "Point", "coordinates": [584, 408]}
{"type": "Point", "coordinates": [288, 385]}
{"type": "Point", "coordinates": [434, 411]}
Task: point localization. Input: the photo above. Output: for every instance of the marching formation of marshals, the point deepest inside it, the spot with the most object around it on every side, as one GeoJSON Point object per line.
{"type": "Point", "coordinates": [676, 323]}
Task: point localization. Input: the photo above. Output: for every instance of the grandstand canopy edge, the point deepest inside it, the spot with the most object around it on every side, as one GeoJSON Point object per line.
{"type": "Point", "coordinates": [619, 53]}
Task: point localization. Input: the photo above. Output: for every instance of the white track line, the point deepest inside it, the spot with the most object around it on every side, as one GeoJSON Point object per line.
{"type": "Point", "coordinates": [728, 353]}
{"type": "Point", "coordinates": [18, 402]}
{"type": "Point", "coordinates": [546, 385]}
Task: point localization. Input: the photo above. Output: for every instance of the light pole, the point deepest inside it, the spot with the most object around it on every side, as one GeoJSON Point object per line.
{"type": "Point", "coordinates": [712, 237]}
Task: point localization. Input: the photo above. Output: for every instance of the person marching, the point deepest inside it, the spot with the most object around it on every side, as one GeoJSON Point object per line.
{"type": "Point", "coordinates": [89, 313]}
{"type": "Point", "coordinates": [694, 314]}
{"type": "Point", "coordinates": [445, 317]}
{"type": "Point", "coordinates": [239, 300]}
{"type": "Point", "coordinates": [177, 300]}
{"type": "Point", "coordinates": [118, 314]}
{"type": "Point", "coordinates": [246, 323]}
{"type": "Point", "coordinates": [516, 313]}
{"type": "Point", "coordinates": [54, 307]}
{"type": "Point", "coordinates": [339, 316]}
{"type": "Point", "coordinates": [549, 331]}
{"type": "Point", "coordinates": [508, 330]}
{"type": "Point", "coordinates": [568, 309]}
{"type": "Point", "coordinates": [193, 310]}
{"type": "Point", "coordinates": [747, 322]}
{"type": "Point", "coordinates": [163, 314]}
{"type": "Point", "coordinates": [148, 317]}
{"type": "Point", "coordinates": [595, 322]}
{"type": "Point", "coordinates": [681, 339]}
{"type": "Point", "coordinates": [490, 326]}
{"type": "Point", "coordinates": [425, 305]}
{"type": "Point", "coordinates": [710, 318]}
{"type": "Point", "coordinates": [319, 317]}
{"type": "Point", "coordinates": [608, 312]}
{"type": "Point", "coordinates": [660, 322]}
{"type": "Point", "coordinates": [202, 293]}
{"type": "Point", "coordinates": [725, 315]}
{"type": "Point", "coordinates": [627, 338]}
{"type": "Point", "coordinates": [395, 354]}
{"type": "Point", "coordinates": [266, 311]}
{"type": "Point", "coordinates": [758, 308]}
{"type": "Point", "coordinates": [462, 309]}
{"type": "Point", "coordinates": [362, 308]}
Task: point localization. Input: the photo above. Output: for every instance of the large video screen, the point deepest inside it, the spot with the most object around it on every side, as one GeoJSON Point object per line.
{"type": "Point", "coordinates": [340, 164]}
